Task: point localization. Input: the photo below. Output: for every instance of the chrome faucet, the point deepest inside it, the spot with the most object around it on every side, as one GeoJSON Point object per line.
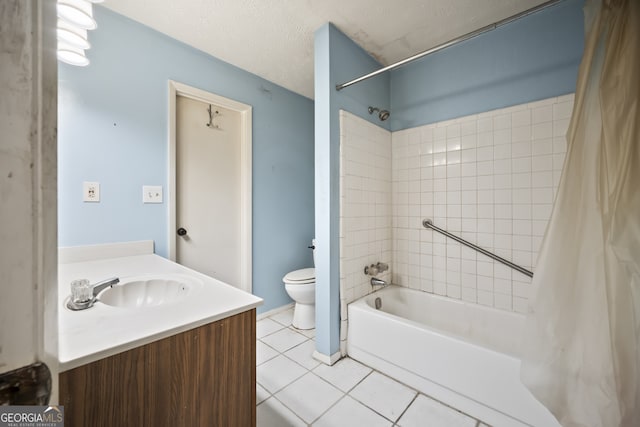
{"type": "Point", "coordinates": [378, 282]}
{"type": "Point", "coordinates": [100, 286]}
{"type": "Point", "coordinates": [75, 304]}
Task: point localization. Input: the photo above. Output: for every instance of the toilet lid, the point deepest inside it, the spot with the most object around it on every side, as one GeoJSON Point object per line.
{"type": "Point", "coordinates": [305, 275]}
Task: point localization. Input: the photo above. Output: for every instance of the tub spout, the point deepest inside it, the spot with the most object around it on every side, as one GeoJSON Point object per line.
{"type": "Point", "coordinates": [378, 282]}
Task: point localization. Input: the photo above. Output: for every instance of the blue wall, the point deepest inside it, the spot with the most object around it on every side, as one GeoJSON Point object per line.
{"type": "Point", "coordinates": [533, 58]}
{"type": "Point", "coordinates": [113, 129]}
{"type": "Point", "coordinates": [337, 59]}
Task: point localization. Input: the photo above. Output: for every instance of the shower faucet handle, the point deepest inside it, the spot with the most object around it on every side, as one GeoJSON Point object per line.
{"type": "Point", "coordinates": [382, 267]}
{"type": "Point", "coordinates": [371, 270]}
{"type": "Point", "coordinates": [374, 269]}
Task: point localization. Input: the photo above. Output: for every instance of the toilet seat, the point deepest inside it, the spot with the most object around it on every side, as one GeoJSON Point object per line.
{"type": "Point", "coordinates": [300, 277]}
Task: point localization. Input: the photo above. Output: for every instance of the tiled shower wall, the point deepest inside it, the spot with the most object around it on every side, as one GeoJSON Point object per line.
{"type": "Point", "coordinates": [490, 178]}
{"type": "Point", "coordinates": [365, 207]}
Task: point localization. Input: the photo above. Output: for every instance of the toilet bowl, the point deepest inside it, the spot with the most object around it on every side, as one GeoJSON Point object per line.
{"type": "Point", "coordinates": [301, 287]}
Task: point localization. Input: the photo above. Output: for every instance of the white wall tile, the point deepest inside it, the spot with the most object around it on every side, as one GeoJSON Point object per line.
{"type": "Point", "coordinates": [485, 124]}
{"type": "Point", "coordinates": [502, 151]}
{"type": "Point", "coordinates": [501, 136]}
{"type": "Point", "coordinates": [521, 118]}
{"type": "Point", "coordinates": [469, 170]}
{"type": "Point", "coordinates": [484, 268]}
{"type": "Point", "coordinates": [366, 196]}
{"type": "Point", "coordinates": [439, 133]}
{"type": "Point", "coordinates": [468, 128]}
{"type": "Point", "coordinates": [490, 178]}
{"type": "Point", "coordinates": [559, 145]}
{"type": "Point", "coordinates": [521, 165]}
{"type": "Point", "coordinates": [468, 141]}
{"type": "Point", "coordinates": [544, 146]}
{"type": "Point", "coordinates": [485, 167]}
{"type": "Point", "coordinates": [521, 134]}
{"type": "Point", "coordinates": [484, 139]}
{"type": "Point", "coordinates": [521, 180]}
{"type": "Point", "coordinates": [501, 120]}
{"type": "Point", "coordinates": [502, 166]}
{"type": "Point", "coordinates": [562, 110]}
{"type": "Point", "coordinates": [521, 149]}
{"type": "Point", "coordinates": [542, 114]}
{"type": "Point", "coordinates": [502, 241]}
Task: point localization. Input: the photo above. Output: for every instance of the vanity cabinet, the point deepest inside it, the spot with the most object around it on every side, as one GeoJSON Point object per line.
{"type": "Point", "coordinates": [201, 377]}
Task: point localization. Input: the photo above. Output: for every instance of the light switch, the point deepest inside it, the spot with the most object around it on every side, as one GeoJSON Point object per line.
{"type": "Point", "coordinates": [90, 191]}
{"type": "Point", "coordinates": [152, 194]}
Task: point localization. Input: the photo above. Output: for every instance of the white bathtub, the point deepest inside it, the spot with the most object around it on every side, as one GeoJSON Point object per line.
{"type": "Point", "coordinates": [461, 354]}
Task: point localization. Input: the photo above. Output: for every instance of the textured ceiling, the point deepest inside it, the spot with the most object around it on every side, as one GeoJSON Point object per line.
{"type": "Point", "coordinates": [274, 38]}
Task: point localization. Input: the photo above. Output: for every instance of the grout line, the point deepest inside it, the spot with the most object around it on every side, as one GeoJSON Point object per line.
{"type": "Point", "coordinates": [273, 332]}
{"type": "Point", "coordinates": [363, 378]}
{"type": "Point", "coordinates": [290, 382]}
{"type": "Point", "coordinates": [271, 358]}
{"type": "Point", "coordinates": [268, 392]}
{"type": "Point", "coordinates": [362, 403]}
{"type": "Point", "coordinates": [291, 410]}
{"type": "Point", "coordinates": [330, 407]}
{"type": "Point", "coordinates": [407, 408]}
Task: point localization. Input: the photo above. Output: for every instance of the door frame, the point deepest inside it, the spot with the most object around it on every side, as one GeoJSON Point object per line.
{"type": "Point", "coordinates": [179, 89]}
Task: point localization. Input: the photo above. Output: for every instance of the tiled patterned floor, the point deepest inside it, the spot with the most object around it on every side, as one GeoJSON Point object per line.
{"type": "Point", "coordinates": [296, 390]}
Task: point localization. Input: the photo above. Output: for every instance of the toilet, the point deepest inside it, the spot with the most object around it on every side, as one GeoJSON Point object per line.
{"type": "Point", "coordinates": [301, 287]}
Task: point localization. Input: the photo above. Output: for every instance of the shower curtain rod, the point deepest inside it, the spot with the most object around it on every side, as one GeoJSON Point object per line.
{"type": "Point", "coordinates": [457, 40]}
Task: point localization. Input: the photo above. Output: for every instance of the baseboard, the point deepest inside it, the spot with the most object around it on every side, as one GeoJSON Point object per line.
{"type": "Point", "coordinates": [327, 360]}
{"type": "Point", "coordinates": [274, 311]}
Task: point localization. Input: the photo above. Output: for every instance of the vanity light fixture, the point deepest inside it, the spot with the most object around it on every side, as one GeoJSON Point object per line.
{"type": "Point", "coordinates": [75, 17]}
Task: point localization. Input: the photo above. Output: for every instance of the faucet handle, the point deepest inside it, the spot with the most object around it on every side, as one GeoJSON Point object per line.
{"type": "Point", "coordinates": [371, 270]}
{"type": "Point", "coordinates": [81, 290]}
{"type": "Point", "coordinates": [382, 267]}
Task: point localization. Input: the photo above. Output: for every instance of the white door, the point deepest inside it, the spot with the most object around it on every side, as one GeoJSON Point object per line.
{"type": "Point", "coordinates": [208, 189]}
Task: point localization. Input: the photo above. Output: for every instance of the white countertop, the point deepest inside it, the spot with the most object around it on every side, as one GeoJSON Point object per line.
{"type": "Point", "coordinates": [102, 330]}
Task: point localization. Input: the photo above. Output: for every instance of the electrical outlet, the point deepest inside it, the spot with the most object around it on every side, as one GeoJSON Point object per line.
{"type": "Point", "coordinates": [90, 191]}
{"type": "Point", "coordinates": [152, 194]}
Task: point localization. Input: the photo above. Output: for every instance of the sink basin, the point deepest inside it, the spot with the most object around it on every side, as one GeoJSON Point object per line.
{"type": "Point", "coordinates": [148, 291]}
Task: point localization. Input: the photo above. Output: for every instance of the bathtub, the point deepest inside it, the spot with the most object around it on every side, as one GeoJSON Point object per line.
{"type": "Point", "coordinates": [458, 353]}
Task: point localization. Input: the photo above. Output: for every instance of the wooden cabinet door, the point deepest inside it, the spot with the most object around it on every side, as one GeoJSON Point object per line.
{"type": "Point", "coordinates": [202, 377]}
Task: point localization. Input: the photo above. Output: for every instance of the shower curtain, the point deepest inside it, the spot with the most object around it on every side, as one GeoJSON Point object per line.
{"type": "Point", "coordinates": [581, 354]}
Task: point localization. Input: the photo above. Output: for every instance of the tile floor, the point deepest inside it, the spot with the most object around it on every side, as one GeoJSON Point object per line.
{"type": "Point", "coordinates": [296, 390]}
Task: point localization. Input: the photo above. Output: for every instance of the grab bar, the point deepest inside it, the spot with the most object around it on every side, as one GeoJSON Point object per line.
{"type": "Point", "coordinates": [427, 223]}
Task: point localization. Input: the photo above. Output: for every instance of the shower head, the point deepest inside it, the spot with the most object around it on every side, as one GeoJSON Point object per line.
{"type": "Point", "coordinates": [382, 114]}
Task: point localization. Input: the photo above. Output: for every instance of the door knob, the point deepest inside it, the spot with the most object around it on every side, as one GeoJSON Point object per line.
{"type": "Point", "coordinates": [181, 232]}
